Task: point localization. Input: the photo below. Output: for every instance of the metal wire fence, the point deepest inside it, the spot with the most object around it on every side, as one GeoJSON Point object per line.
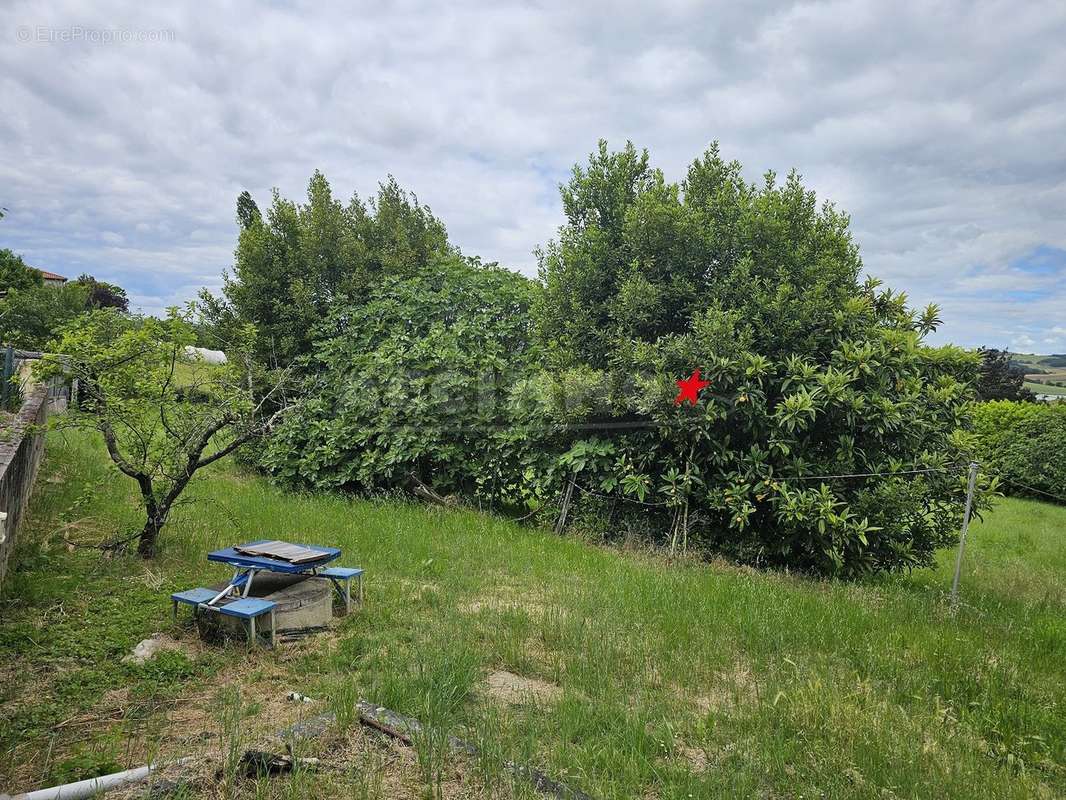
{"type": "Point", "coordinates": [971, 469]}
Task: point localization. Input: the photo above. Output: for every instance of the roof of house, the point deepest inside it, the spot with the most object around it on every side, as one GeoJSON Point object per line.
{"type": "Point", "coordinates": [51, 276]}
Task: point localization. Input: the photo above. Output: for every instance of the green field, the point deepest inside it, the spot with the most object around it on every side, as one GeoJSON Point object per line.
{"type": "Point", "coordinates": [636, 677]}
{"type": "Point", "coordinates": [1044, 388]}
{"type": "Point", "coordinates": [1042, 371]}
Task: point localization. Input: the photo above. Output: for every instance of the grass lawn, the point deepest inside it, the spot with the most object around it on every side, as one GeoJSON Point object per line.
{"type": "Point", "coordinates": [641, 678]}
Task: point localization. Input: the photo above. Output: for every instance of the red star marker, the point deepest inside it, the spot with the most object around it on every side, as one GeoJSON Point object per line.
{"type": "Point", "coordinates": [690, 388]}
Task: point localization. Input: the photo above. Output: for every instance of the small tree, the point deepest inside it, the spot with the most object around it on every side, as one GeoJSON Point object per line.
{"type": "Point", "coordinates": [16, 274]}
{"type": "Point", "coordinates": [1000, 378]}
{"type": "Point", "coordinates": [101, 294]}
{"type": "Point", "coordinates": [163, 414]}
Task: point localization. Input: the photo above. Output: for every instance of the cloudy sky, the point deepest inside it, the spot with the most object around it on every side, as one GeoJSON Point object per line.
{"type": "Point", "coordinates": [127, 132]}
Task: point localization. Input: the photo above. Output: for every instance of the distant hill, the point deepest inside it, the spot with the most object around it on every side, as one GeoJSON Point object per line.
{"type": "Point", "coordinates": [1030, 359]}
{"type": "Point", "coordinates": [1043, 374]}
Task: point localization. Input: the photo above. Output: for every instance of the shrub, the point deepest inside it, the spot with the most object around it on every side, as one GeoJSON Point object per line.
{"type": "Point", "coordinates": [441, 373]}
{"type": "Point", "coordinates": [423, 381]}
{"type": "Point", "coordinates": [812, 372]}
{"type": "Point", "coordinates": [1025, 444]}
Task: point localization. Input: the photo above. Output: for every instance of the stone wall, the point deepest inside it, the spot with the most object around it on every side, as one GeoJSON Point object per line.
{"type": "Point", "coordinates": [21, 448]}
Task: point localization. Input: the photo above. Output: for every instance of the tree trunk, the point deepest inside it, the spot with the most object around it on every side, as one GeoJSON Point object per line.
{"type": "Point", "coordinates": [149, 534]}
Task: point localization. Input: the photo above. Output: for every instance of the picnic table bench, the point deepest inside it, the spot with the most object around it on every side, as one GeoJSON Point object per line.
{"type": "Point", "coordinates": [267, 555]}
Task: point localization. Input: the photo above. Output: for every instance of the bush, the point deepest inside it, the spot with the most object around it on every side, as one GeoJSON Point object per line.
{"type": "Point", "coordinates": [1025, 444]}
{"type": "Point", "coordinates": [422, 382]}
{"type": "Point", "coordinates": [812, 372]}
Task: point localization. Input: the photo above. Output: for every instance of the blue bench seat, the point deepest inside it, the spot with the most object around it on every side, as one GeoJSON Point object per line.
{"type": "Point", "coordinates": [191, 597]}
{"type": "Point", "coordinates": [249, 609]}
{"type": "Point", "coordinates": [246, 609]}
{"type": "Point", "coordinates": [339, 575]}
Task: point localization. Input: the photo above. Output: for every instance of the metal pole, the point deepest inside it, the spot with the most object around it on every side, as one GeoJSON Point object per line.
{"type": "Point", "coordinates": [9, 370]}
{"type": "Point", "coordinates": [560, 524]}
{"type": "Point", "coordinates": [962, 534]}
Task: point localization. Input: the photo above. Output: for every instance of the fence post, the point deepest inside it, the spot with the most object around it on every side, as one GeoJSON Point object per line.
{"type": "Point", "coordinates": [560, 524]}
{"type": "Point", "coordinates": [9, 370]}
{"type": "Point", "coordinates": [962, 534]}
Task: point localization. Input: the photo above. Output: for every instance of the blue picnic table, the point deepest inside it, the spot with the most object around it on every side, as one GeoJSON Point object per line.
{"type": "Point", "coordinates": [235, 558]}
{"type": "Point", "coordinates": [246, 565]}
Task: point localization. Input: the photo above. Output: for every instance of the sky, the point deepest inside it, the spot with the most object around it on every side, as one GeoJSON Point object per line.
{"type": "Point", "coordinates": [127, 131]}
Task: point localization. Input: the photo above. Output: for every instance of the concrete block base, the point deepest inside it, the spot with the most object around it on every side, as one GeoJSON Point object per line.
{"type": "Point", "coordinates": [302, 603]}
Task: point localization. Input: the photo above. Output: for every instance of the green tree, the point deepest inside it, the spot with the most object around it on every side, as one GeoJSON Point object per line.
{"type": "Point", "coordinates": [162, 414]}
{"type": "Point", "coordinates": [640, 258]}
{"type": "Point", "coordinates": [1000, 378]}
{"type": "Point", "coordinates": [15, 274]}
{"type": "Point", "coordinates": [31, 317]}
{"type": "Point", "coordinates": [812, 372]}
{"type": "Point", "coordinates": [32, 312]}
{"type": "Point", "coordinates": [292, 264]}
{"type": "Point", "coordinates": [100, 294]}
{"type": "Point", "coordinates": [247, 211]}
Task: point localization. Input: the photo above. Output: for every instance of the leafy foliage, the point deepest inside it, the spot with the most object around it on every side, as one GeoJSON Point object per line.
{"type": "Point", "coordinates": [413, 385]}
{"type": "Point", "coordinates": [448, 377]}
{"type": "Point", "coordinates": [31, 312]}
{"type": "Point", "coordinates": [158, 414]}
{"type": "Point", "coordinates": [1000, 378]}
{"type": "Point", "coordinates": [641, 258]}
{"type": "Point", "coordinates": [31, 317]}
{"type": "Point", "coordinates": [101, 294]}
{"type": "Point", "coordinates": [293, 264]}
{"type": "Point", "coordinates": [812, 373]}
{"type": "Point", "coordinates": [1024, 443]}
{"type": "Point", "coordinates": [15, 274]}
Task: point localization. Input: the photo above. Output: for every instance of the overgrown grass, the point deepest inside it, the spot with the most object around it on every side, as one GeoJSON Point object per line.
{"type": "Point", "coordinates": [675, 680]}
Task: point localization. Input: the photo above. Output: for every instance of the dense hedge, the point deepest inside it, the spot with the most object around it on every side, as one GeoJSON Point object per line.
{"type": "Point", "coordinates": [434, 373]}
{"type": "Point", "coordinates": [1025, 444]}
{"type": "Point", "coordinates": [419, 384]}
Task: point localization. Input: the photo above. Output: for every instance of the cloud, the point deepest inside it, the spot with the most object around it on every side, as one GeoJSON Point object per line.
{"type": "Point", "coordinates": [940, 129]}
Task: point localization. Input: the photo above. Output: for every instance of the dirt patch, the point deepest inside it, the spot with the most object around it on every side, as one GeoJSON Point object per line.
{"type": "Point", "coordinates": [507, 687]}
{"type": "Point", "coordinates": [694, 757]}
{"type": "Point", "coordinates": [732, 689]}
{"type": "Point", "coordinates": [508, 598]}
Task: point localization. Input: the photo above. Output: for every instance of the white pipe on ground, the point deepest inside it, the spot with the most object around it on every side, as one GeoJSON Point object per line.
{"type": "Point", "coordinates": [89, 787]}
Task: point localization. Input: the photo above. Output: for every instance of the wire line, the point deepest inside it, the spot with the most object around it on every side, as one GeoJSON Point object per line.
{"type": "Point", "coordinates": [781, 479]}
{"type": "Point", "coordinates": [1018, 485]}
{"type": "Point", "coordinates": [866, 474]}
